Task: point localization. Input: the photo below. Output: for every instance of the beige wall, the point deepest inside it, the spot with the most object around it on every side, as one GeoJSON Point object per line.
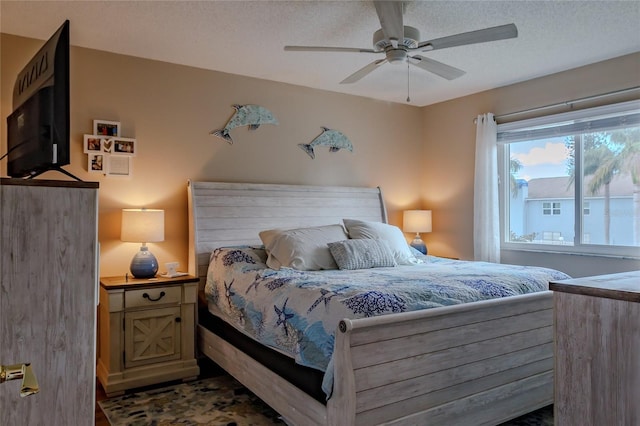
{"type": "Point", "coordinates": [449, 138]}
{"type": "Point", "coordinates": [171, 109]}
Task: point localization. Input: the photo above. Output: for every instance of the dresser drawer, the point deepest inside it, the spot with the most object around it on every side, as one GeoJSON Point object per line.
{"type": "Point", "coordinates": [150, 297]}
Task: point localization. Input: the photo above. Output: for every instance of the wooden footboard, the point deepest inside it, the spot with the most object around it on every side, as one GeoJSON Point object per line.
{"type": "Point", "coordinates": [480, 363]}
{"type": "Point", "coordinates": [477, 363]}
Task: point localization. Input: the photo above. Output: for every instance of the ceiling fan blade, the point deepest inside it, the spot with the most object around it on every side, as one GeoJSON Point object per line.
{"type": "Point", "coordinates": [363, 71]}
{"type": "Point", "coordinates": [479, 36]}
{"type": "Point", "coordinates": [443, 70]}
{"type": "Point", "coordinates": [390, 16]}
{"type": "Point", "coordinates": [327, 49]}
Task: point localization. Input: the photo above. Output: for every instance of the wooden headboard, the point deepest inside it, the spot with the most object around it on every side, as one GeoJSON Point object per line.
{"type": "Point", "coordinates": [226, 214]}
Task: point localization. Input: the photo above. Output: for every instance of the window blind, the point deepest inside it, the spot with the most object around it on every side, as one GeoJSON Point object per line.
{"type": "Point", "coordinates": [610, 117]}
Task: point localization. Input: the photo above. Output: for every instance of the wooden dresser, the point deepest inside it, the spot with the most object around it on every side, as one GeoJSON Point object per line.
{"type": "Point", "coordinates": [48, 288]}
{"type": "Point", "coordinates": [597, 352]}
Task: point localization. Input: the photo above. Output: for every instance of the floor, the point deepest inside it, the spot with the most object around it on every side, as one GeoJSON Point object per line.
{"type": "Point", "coordinates": [207, 369]}
{"type": "Point", "coordinates": [101, 420]}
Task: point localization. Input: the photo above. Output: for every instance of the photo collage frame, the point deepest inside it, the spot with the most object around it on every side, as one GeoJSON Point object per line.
{"type": "Point", "coordinates": [108, 152]}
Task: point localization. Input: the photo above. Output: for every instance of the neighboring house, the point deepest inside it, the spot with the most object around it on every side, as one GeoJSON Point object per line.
{"type": "Point", "coordinates": [543, 212]}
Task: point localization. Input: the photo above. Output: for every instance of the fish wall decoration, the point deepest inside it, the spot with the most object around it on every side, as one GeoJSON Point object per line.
{"type": "Point", "coordinates": [245, 115]}
{"type": "Point", "coordinates": [334, 139]}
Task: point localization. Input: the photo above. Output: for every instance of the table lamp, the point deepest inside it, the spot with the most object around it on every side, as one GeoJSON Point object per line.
{"type": "Point", "coordinates": [417, 221]}
{"type": "Point", "coordinates": [143, 226]}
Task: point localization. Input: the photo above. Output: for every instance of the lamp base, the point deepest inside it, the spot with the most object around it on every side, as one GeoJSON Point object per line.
{"type": "Point", "coordinates": [419, 245]}
{"type": "Point", "coordinates": [144, 264]}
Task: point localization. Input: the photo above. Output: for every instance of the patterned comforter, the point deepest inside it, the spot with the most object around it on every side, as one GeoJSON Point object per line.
{"type": "Point", "coordinates": [297, 312]}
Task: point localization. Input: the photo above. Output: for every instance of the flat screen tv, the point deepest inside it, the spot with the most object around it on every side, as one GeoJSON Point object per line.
{"type": "Point", "coordinates": [38, 127]}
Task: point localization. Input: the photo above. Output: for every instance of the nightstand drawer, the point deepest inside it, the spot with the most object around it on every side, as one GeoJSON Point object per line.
{"type": "Point", "coordinates": [152, 297]}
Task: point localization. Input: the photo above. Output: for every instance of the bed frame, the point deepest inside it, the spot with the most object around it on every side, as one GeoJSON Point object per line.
{"type": "Point", "coordinates": [479, 363]}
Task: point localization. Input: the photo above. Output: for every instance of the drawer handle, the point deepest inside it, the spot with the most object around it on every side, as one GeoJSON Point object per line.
{"type": "Point", "coordinates": [146, 296]}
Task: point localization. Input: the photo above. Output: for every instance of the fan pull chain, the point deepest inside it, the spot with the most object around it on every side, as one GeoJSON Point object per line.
{"type": "Point", "coordinates": [408, 98]}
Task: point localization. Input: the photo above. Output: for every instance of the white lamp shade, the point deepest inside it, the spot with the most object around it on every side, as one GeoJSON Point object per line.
{"type": "Point", "coordinates": [142, 225]}
{"type": "Point", "coordinates": [416, 221]}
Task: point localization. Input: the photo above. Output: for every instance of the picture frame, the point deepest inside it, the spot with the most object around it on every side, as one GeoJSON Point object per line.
{"type": "Point", "coordinates": [106, 128]}
{"type": "Point", "coordinates": [93, 143]}
{"type": "Point", "coordinates": [107, 152]}
{"type": "Point", "coordinates": [123, 146]}
{"type": "Point", "coordinates": [119, 165]}
{"type": "Point", "coordinates": [97, 163]}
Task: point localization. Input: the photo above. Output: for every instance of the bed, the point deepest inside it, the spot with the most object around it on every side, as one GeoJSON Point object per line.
{"type": "Point", "coordinates": [478, 363]}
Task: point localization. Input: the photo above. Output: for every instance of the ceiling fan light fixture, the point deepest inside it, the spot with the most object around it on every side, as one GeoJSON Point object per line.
{"type": "Point", "coordinates": [396, 56]}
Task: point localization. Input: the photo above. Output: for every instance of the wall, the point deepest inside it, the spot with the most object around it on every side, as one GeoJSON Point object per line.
{"type": "Point", "coordinates": [449, 137]}
{"type": "Point", "coordinates": [171, 109]}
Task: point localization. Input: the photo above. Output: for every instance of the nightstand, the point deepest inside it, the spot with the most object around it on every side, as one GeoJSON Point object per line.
{"type": "Point", "coordinates": [146, 331]}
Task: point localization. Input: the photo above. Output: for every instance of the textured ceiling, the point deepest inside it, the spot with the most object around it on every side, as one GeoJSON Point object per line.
{"type": "Point", "coordinates": [247, 38]}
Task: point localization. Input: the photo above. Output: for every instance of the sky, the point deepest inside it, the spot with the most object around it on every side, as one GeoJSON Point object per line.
{"type": "Point", "coordinates": [542, 158]}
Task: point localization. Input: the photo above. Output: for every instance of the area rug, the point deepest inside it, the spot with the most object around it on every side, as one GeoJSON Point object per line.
{"type": "Point", "coordinates": [220, 401]}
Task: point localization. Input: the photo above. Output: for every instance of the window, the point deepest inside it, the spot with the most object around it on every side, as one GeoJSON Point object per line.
{"type": "Point", "coordinates": [551, 236]}
{"type": "Point", "coordinates": [567, 181]}
{"type": "Point", "coordinates": [550, 208]}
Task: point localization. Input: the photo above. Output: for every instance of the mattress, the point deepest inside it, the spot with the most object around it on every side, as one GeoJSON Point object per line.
{"type": "Point", "coordinates": [297, 312]}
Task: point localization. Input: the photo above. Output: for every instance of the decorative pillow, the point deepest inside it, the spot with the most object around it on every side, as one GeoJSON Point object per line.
{"type": "Point", "coordinates": [358, 229]}
{"type": "Point", "coordinates": [304, 249]}
{"type": "Point", "coordinates": [362, 254]}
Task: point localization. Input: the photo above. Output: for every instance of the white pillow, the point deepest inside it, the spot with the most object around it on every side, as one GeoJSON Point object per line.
{"type": "Point", "coordinates": [382, 231]}
{"type": "Point", "coordinates": [304, 249]}
{"type": "Point", "coordinates": [362, 253]}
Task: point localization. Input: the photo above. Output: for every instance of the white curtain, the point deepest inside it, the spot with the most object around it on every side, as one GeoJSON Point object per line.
{"type": "Point", "coordinates": [486, 211]}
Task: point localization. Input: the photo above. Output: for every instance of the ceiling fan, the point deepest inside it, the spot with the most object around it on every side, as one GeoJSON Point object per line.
{"type": "Point", "coordinates": [396, 40]}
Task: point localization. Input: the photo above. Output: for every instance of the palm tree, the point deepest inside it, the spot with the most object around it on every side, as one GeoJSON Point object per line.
{"type": "Point", "coordinates": [601, 161]}
{"type": "Point", "coordinates": [607, 155]}
{"type": "Point", "coordinates": [603, 165]}
{"type": "Point", "coordinates": [514, 167]}
{"type": "Point", "coordinates": [629, 159]}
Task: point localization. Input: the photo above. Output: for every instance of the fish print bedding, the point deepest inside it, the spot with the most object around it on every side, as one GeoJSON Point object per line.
{"type": "Point", "coordinates": [297, 312]}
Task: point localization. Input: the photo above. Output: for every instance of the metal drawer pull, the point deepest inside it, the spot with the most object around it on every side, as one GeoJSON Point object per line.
{"type": "Point", "coordinates": [146, 296]}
